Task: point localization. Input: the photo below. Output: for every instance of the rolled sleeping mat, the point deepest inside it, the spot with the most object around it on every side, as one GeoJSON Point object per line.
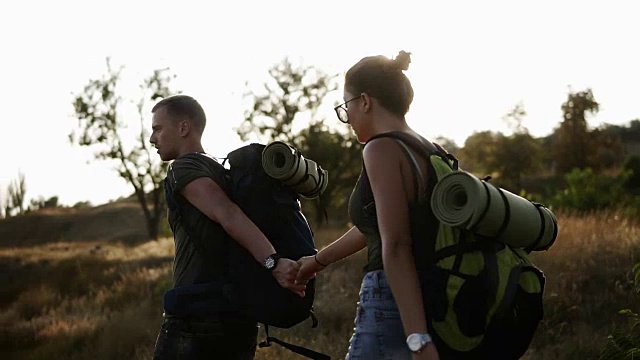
{"type": "Point", "coordinates": [285, 163]}
{"type": "Point", "coordinates": [462, 200]}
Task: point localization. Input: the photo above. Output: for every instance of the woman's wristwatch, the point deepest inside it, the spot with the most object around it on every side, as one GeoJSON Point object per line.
{"type": "Point", "coordinates": [417, 341]}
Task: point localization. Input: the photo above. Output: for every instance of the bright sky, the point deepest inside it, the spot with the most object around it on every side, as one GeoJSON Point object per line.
{"type": "Point", "coordinates": [472, 62]}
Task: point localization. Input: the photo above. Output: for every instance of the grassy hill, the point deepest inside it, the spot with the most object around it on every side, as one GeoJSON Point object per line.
{"type": "Point", "coordinates": [84, 284]}
{"type": "Point", "coordinates": [121, 221]}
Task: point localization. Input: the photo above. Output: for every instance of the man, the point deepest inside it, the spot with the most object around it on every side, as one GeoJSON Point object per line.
{"type": "Point", "coordinates": [202, 219]}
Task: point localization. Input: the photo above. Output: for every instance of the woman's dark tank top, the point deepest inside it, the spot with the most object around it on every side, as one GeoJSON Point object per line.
{"type": "Point", "coordinates": [424, 225]}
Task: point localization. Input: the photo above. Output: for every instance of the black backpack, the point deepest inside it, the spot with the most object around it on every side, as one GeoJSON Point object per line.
{"type": "Point", "coordinates": [275, 208]}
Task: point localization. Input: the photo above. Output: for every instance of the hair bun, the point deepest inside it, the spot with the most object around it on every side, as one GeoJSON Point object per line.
{"type": "Point", "coordinates": [403, 60]}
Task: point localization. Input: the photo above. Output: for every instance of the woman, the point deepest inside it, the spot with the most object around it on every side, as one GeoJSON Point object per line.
{"type": "Point", "coordinates": [390, 321]}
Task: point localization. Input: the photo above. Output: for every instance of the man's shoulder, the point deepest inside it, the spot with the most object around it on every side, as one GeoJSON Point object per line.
{"type": "Point", "coordinates": [196, 157]}
{"type": "Point", "coordinates": [191, 166]}
{"type": "Point", "coordinates": [196, 161]}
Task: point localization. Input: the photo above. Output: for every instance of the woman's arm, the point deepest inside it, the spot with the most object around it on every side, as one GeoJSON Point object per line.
{"type": "Point", "coordinates": [385, 170]}
{"type": "Point", "coordinates": [348, 244]}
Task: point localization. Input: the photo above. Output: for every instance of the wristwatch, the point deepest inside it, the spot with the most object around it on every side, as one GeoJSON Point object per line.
{"type": "Point", "coordinates": [271, 261]}
{"type": "Point", "coordinates": [418, 341]}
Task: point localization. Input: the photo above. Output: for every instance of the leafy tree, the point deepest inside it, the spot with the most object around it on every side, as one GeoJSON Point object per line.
{"type": "Point", "coordinates": [628, 134]}
{"type": "Point", "coordinates": [448, 144]}
{"type": "Point", "coordinates": [572, 147]}
{"type": "Point", "coordinates": [519, 154]}
{"type": "Point", "coordinates": [295, 93]}
{"type": "Point", "coordinates": [292, 91]}
{"type": "Point", "coordinates": [480, 153]}
{"type": "Point", "coordinates": [82, 205]}
{"type": "Point", "coordinates": [99, 110]}
{"type": "Point", "coordinates": [515, 117]}
{"type": "Point", "coordinates": [51, 202]}
{"type": "Point", "coordinates": [608, 149]}
{"type": "Point", "coordinates": [340, 154]}
{"type": "Point", "coordinates": [41, 203]}
{"type": "Point", "coordinates": [633, 134]}
{"type": "Point", "coordinates": [632, 165]}
{"type": "Point", "coordinates": [36, 204]}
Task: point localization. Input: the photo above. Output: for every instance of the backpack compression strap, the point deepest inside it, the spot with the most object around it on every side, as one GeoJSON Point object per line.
{"type": "Point", "coordinates": [295, 348]}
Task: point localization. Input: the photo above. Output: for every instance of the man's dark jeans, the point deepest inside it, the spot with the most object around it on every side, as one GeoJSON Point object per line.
{"type": "Point", "coordinates": [199, 339]}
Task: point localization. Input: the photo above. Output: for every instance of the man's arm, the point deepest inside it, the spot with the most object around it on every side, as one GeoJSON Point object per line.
{"type": "Point", "coordinates": [211, 200]}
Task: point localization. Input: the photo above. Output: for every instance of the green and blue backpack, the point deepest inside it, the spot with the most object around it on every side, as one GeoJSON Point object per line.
{"type": "Point", "coordinates": [482, 296]}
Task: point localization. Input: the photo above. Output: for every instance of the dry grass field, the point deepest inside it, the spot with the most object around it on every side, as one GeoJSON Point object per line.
{"type": "Point", "coordinates": [100, 298]}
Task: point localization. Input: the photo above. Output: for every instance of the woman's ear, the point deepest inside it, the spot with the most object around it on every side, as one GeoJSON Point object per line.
{"type": "Point", "coordinates": [367, 102]}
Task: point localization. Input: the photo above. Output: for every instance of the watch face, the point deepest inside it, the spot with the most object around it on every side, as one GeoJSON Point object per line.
{"type": "Point", "coordinates": [268, 263]}
{"type": "Point", "coordinates": [414, 342]}
{"type": "Point", "coordinates": [417, 341]}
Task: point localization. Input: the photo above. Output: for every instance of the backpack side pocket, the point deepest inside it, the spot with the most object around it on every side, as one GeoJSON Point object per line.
{"type": "Point", "coordinates": [519, 313]}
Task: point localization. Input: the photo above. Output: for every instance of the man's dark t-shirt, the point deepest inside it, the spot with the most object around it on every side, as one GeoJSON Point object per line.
{"type": "Point", "coordinates": [199, 241]}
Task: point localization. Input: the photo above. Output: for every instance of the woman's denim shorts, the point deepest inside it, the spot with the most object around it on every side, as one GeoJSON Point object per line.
{"type": "Point", "coordinates": [378, 332]}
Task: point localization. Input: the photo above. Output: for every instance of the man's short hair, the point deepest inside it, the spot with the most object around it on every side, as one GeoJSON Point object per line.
{"type": "Point", "coordinates": [183, 107]}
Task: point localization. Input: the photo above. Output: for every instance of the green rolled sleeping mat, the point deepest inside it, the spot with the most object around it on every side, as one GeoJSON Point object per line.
{"type": "Point", "coordinates": [285, 163]}
{"type": "Point", "coordinates": [462, 200]}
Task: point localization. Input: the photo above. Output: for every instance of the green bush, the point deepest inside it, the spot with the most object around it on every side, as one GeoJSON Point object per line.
{"type": "Point", "coordinates": [625, 345]}
{"type": "Point", "coordinates": [632, 183]}
{"type": "Point", "coordinates": [586, 191]}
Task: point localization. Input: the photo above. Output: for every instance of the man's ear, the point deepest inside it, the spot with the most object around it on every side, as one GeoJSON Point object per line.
{"type": "Point", "coordinates": [185, 128]}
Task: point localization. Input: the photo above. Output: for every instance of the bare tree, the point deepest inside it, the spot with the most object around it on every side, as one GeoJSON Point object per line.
{"type": "Point", "coordinates": [100, 125]}
{"type": "Point", "coordinates": [16, 194]}
{"type": "Point", "coordinates": [2, 206]}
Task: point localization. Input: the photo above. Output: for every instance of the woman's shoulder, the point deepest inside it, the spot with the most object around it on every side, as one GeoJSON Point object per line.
{"type": "Point", "coordinates": [395, 139]}
{"type": "Point", "coordinates": [380, 147]}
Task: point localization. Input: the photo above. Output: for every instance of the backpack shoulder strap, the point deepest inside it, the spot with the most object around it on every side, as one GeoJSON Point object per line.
{"type": "Point", "coordinates": [423, 147]}
{"type": "Point", "coordinates": [419, 181]}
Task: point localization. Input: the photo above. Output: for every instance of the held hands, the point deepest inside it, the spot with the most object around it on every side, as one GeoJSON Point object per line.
{"type": "Point", "coordinates": [285, 273]}
{"type": "Point", "coordinates": [308, 269]}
